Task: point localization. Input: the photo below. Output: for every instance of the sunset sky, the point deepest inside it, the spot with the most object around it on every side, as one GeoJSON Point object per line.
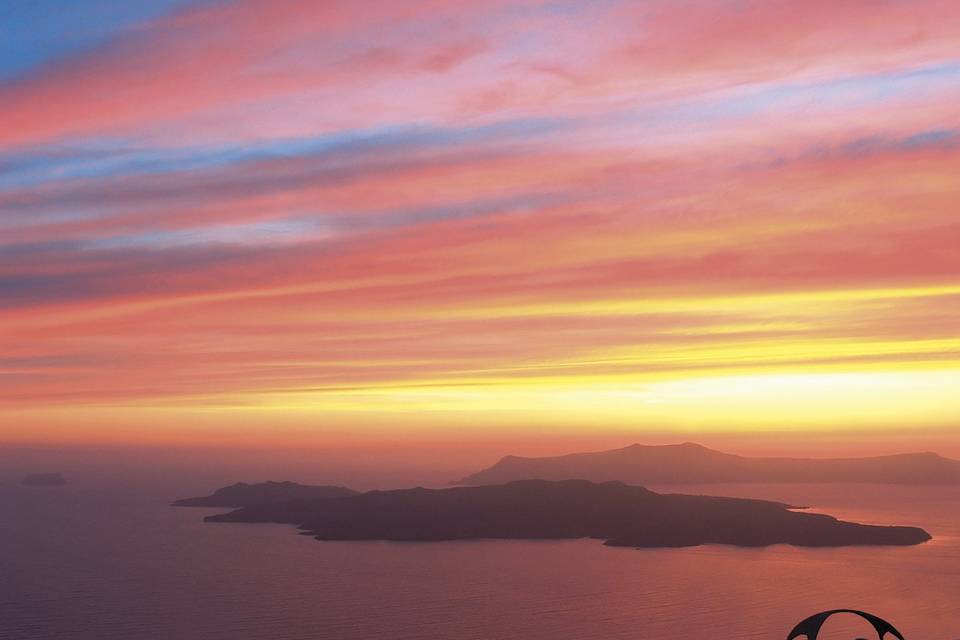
{"type": "Point", "coordinates": [308, 221]}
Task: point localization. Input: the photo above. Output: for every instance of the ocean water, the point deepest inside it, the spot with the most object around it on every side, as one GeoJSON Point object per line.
{"type": "Point", "coordinates": [82, 562]}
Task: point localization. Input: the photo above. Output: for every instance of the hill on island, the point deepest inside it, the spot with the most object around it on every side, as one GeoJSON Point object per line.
{"type": "Point", "coordinates": [695, 464]}
{"type": "Point", "coordinates": [243, 494]}
{"type": "Point", "coordinates": [536, 509]}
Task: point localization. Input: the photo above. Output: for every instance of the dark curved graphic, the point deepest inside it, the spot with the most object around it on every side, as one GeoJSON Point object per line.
{"type": "Point", "coordinates": [810, 628]}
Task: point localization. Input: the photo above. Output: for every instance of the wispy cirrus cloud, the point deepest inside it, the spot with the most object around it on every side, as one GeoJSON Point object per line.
{"type": "Point", "coordinates": [242, 201]}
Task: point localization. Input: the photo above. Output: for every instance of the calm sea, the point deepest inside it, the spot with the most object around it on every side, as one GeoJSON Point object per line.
{"type": "Point", "coordinates": [81, 562]}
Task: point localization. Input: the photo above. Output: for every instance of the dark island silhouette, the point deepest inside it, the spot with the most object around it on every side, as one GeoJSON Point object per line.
{"type": "Point", "coordinates": [622, 515]}
{"type": "Point", "coordinates": [695, 464]}
{"type": "Point", "coordinates": [243, 494]}
{"type": "Point", "coordinates": [44, 480]}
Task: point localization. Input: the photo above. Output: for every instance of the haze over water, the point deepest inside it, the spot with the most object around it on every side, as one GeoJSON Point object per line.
{"type": "Point", "coordinates": [96, 560]}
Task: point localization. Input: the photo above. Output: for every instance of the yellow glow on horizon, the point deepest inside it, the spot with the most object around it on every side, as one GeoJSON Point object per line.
{"type": "Point", "coordinates": [758, 401]}
{"type": "Point", "coordinates": [811, 402]}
